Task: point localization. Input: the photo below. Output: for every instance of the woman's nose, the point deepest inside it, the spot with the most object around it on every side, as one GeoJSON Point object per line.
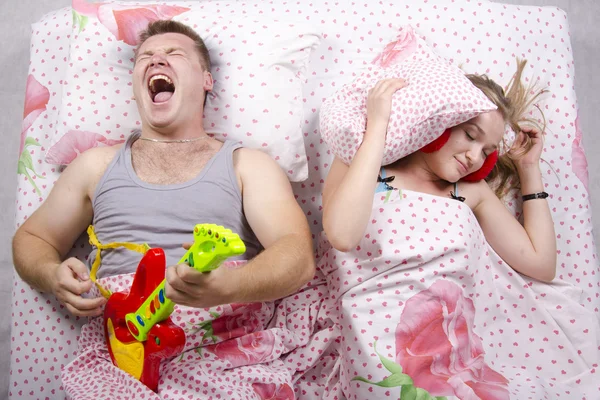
{"type": "Point", "coordinates": [474, 156]}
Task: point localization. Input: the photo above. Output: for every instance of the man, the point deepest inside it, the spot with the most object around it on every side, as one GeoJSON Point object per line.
{"type": "Point", "coordinates": [162, 182]}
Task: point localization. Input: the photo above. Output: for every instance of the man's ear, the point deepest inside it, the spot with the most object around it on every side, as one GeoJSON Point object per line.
{"type": "Point", "coordinates": [208, 81]}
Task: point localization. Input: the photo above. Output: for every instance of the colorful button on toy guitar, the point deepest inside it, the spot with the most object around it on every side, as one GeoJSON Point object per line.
{"type": "Point", "coordinates": [132, 328]}
{"type": "Point", "coordinates": [161, 296]}
{"type": "Point", "coordinates": [140, 320]}
{"type": "Point", "coordinates": [152, 309]}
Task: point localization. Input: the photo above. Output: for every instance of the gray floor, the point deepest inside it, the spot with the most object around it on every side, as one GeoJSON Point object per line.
{"type": "Point", "coordinates": [15, 20]}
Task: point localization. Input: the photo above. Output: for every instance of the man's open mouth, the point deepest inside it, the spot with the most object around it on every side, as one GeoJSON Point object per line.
{"type": "Point", "coordinates": [161, 88]}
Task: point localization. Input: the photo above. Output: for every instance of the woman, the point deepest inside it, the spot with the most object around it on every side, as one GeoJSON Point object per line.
{"type": "Point", "coordinates": [453, 166]}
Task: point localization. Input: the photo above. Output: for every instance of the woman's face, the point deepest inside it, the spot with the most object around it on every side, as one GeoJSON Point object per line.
{"type": "Point", "coordinates": [469, 145]}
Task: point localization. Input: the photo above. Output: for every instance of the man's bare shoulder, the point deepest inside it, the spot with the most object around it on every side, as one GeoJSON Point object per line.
{"type": "Point", "coordinates": [257, 169]}
{"type": "Point", "coordinates": [90, 165]}
{"type": "Point", "coordinates": [95, 159]}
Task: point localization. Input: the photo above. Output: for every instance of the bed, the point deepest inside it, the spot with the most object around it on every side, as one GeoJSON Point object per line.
{"type": "Point", "coordinates": [551, 350]}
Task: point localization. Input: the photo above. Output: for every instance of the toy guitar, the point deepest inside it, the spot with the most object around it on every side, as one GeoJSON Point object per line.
{"type": "Point", "coordinates": [137, 324]}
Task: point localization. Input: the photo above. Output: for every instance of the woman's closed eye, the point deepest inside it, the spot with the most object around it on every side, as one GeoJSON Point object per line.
{"type": "Point", "coordinates": [472, 138]}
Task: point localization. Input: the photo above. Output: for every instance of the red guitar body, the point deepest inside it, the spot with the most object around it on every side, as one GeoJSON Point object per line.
{"type": "Point", "coordinates": [165, 339]}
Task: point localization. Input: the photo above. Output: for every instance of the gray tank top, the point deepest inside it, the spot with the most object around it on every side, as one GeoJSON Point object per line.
{"type": "Point", "coordinates": [126, 209]}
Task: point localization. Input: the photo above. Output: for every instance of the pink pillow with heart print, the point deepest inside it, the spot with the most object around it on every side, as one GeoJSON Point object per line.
{"type": "Point", "coordinates": [438, 96]}
{"type": "Point", "coordinates": [258, 65]}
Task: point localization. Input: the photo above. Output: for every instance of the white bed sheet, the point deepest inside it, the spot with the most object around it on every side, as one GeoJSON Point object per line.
{"type": "Point", "coordinates": [482, 36]}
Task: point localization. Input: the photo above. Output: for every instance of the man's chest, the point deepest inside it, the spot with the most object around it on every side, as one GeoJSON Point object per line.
{"type": "Point", "coordinates": [169, 167]}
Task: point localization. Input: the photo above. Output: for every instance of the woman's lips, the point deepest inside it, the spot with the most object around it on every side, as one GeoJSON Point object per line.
{"type": "Point", "coordinates": [462, 165]}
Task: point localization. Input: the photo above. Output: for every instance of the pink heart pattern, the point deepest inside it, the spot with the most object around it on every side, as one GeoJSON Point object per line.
{"type": "Point", "coordinates": [437, 97]}
{"type": "Point", "coordinates": [248, 68]}
{"type": "Point", "coordinates": [482, 37]}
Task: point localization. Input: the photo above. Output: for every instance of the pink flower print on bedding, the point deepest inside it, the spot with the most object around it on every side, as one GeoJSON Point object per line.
{"type": "Point", "coordinates": [437, 347]}
{"type": "Point", "coordinates": [123, 21]}
{"type": "Point", "coordinates": [437, 352]}
{"type": "Point", "coordinates": [243, 320]}
{"type": "Point", "coordinates": [36, 99]}
{"type": "Point", "coordinates": [580, 166]}
{"type": "Point", "coordinates": [271, 391]}
{"type": "Point", "coordinates": [399, 50]}
{"type": "Point", "coordinates": [74, 143]}
{"type": "Point", "coordinates": [246, 350]}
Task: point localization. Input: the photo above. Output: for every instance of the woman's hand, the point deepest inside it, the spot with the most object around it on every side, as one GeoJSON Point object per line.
{"type": "Point", "coordinates": [519, 154]}
{"type": "Point", "coordinates": [379, 103]}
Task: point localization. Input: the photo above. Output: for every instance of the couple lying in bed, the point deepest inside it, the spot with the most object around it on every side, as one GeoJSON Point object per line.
{"type": "Point", "coordinates": [172, 174]}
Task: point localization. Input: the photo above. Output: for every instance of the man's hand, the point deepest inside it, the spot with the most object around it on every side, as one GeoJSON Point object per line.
{"type": "Point", "coordinates": [70, 279]}
{"type": "Point", "coordinates": [186, 286]}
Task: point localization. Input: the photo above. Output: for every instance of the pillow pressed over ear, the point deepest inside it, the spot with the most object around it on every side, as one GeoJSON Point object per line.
{"type": "Point", "coordinates": [438, 96]}
{"type": "Point", "coordinates": [258, 66]}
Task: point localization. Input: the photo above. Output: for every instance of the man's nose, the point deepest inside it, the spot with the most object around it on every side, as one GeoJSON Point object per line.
{"type": "Point", "coordinates": [158, 59]}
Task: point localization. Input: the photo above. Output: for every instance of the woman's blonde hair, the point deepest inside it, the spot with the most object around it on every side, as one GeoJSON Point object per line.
{"type": "Point", "coordinates": [514, 104]}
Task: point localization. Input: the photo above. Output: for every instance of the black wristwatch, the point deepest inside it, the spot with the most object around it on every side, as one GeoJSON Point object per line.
{"type": "Point", "coordinates": [533, 196]}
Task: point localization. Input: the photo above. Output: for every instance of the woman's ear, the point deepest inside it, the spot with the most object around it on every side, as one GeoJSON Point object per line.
{"type": "Point", "coordinates": [485, 169]}
{"type": "Point", "coordinates": [208, 81]}
{"type": "Point", "coordinates": [437, 143]}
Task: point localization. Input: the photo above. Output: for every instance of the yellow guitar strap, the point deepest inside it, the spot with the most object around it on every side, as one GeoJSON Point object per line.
{"type": "Point", "coordinates": [140, 248]}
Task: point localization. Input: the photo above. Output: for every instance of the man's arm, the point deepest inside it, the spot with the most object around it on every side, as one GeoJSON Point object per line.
{"type": "Point", "coordinates": [45, 238]}
{"type": "Point", "coordinates": [285, 265]}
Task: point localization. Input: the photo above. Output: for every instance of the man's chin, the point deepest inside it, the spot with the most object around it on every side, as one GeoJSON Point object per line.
{"type": "Point", "coordinates": [162, 125]}
{"type": "Point", "coordinates": [161, 118]}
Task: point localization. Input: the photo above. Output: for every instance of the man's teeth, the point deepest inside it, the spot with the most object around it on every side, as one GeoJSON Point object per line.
{"type": "Point", "coordinates": [156, 77]}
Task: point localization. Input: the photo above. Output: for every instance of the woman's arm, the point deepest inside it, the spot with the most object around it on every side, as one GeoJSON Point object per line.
{"type": "Point", "coordinates": [348, 192]}
{"type": "Point", "coordinates": [529, 248]}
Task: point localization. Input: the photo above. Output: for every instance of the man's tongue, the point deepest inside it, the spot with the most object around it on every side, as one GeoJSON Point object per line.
{"type": "Point", "coordinates": [162, 97]}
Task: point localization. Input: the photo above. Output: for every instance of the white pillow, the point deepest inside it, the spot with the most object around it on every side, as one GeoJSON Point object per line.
{"type": "Point", "coordinates": [258, 65]}
{"type": "Point", "coordinates": [437, 97]}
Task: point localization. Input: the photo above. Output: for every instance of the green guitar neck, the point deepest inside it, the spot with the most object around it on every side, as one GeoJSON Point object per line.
{"type": "Point", "coordinates": [212, 245]}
